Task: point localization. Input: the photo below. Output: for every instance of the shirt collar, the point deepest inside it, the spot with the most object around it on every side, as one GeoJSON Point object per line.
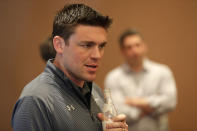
{"type": "Point", "coordinates": [145, 66]}
{"type": "Point", "coordinates": [52, 69]}
{"type": "Point", "coordinates": [86, 89]}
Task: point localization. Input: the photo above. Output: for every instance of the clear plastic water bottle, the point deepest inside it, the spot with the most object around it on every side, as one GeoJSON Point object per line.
{"type": "Point", "coordinates": [109, 109]}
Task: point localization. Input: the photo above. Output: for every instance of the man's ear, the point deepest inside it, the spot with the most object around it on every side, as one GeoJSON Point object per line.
{"type": "Point", "coordinates": [58, 44]}
{"type": "Point", "coordinates": [122, 51]}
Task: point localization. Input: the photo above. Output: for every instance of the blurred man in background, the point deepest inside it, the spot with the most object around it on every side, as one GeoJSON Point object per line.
{"type": "Point", "coordinates": [142, 89]}
{"type": "Point", "coordinates": [62, 98]}
{"type": "Point", "coordinates": [46, 49]}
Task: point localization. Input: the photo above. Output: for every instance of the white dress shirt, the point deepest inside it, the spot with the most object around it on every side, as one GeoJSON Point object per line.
{"type": "Point", "coordinates": [155, 83]}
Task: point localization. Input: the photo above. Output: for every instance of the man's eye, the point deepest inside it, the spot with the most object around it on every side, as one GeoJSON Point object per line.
{"type": "Point", "coordinates": [86, 45]}
{"type": "Point", "coordinates": [102, 46]}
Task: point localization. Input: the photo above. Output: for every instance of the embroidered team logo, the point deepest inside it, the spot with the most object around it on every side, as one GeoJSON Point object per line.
{"type": "Point", "coordinates": [70, 107]}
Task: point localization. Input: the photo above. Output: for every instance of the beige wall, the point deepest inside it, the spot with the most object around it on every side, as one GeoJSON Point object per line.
{"type": "Point", "coordinates": [169, 28]}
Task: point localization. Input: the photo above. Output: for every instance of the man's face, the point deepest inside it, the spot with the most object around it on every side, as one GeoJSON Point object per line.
{"type": "Point", "coordinates": [83, 52]}
{"type": "Point", "coordinates": [133, 49]}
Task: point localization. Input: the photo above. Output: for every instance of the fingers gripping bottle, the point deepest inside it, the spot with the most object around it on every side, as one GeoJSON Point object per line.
{"type": "Point", "coordinates": [109, 109]}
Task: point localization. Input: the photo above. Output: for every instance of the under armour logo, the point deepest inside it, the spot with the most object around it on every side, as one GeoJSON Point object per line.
{"type": "Point", "coordinates": [70, 107]}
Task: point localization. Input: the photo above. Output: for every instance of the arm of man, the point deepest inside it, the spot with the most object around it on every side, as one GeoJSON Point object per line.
{"type": "Point", "coordinates": [164, 100]}
{"type": "Point", "coordinates": [140, 103]}
{"type": "Point", "coordinates": [166, 97]}
{"type": "Point", "coordinates": [30, 114]}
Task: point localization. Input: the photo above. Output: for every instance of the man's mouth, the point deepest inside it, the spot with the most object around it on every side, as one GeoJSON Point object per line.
{"type": "Point", "coordinates": [92, 67]}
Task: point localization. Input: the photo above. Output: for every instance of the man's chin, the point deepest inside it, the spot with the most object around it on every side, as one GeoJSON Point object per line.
{"type": "Point", "coordinates": [91, 78]}
{"type": "Point", "coordinates": [134, 61]}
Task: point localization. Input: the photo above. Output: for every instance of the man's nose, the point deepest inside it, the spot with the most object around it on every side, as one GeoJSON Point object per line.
{"type": "Point", "coordinates": [96, 53]}
{"type": "Point", "coordinates": [135, 49]}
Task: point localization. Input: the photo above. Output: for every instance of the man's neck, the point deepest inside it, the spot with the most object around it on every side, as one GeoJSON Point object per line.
{"type": "Point", "coordinates": [136, 67]}
{"type": "Point", "coordinates": [78, 82]}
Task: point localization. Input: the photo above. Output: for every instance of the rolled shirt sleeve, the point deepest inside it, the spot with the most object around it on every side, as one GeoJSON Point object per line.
{"type": "Point", "coordinates": [166, 97]}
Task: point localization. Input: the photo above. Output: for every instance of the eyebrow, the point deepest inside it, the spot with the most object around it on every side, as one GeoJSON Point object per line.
{"type": "Point", "coordinates": [104, 43]}
{"type": "Point", "coordinates": [91, 42]}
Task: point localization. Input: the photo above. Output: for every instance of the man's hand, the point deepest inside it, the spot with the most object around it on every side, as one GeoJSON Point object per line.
{"type": "Point", "coordinates": [118, 123]}
{"type": "Point", "coordinates": [140, 103]}
{"type": "Point", "coordinates": [137, 102]}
